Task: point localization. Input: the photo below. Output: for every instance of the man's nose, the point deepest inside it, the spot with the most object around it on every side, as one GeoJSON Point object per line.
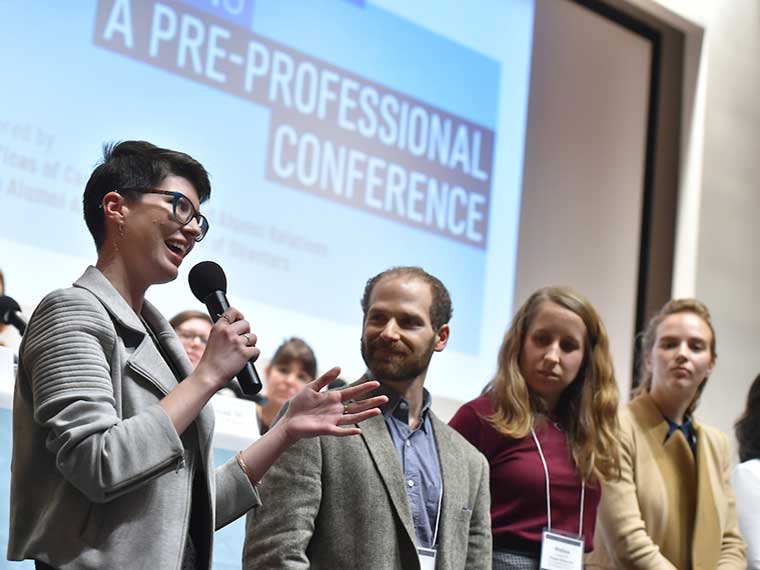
{"type": "Point", "coordinates": [390, 330]}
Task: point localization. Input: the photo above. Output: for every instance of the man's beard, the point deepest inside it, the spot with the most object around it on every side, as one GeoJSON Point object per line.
{"type": "Point", "coordinates": [394, 366]}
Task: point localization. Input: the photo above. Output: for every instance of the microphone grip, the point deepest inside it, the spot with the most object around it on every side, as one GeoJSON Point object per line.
{"type": "Point", "coordinates": [250, 383]}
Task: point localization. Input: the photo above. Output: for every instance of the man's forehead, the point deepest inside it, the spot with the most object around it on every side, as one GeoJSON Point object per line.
{"type": "Point", "coordinates": [402, 288]}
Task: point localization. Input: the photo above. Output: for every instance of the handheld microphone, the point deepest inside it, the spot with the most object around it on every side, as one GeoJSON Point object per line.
{"type": "Point", "coordinates": [209, 284]}
{"type": "Point", "coordinates": [10, 314]}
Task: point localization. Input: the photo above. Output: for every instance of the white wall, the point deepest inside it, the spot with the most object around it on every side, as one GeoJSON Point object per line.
{"type": "Point", "coordinates": [716, 249]}
{"type": "Point", "coordinates": [580, 218]}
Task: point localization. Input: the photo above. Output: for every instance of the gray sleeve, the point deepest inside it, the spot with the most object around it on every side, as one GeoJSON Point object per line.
{"type": "Point", "coordinates": [235, 494]}
{"type": "Point", "coordinates": [66, 359]}
{"type": "Point", "coordinates": [278, 533]}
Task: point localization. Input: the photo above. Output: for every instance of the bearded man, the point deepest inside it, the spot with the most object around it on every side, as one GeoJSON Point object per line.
{"type": "Point", "coordinates": [410, 492]}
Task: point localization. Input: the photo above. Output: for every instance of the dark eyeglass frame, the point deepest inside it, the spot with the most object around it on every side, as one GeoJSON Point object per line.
{"type": "Point", "coordinates": [191, 336]}
{"type": "Point", "coordinates": [176, 197]}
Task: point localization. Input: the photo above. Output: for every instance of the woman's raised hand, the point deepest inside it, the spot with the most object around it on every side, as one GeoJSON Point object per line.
{"type": "Point", "coordinates": [315, 412]}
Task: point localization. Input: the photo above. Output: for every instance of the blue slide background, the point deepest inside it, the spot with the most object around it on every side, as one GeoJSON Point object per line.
{"type": "Point", "coordinates": [62, 97]}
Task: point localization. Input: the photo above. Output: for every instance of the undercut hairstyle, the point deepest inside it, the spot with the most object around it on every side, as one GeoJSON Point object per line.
{"type": "Point", "coordinates": [649, 337]}
{"type": "Point", "coordinates": [296, 350]}
{"type": "Point", "coordinates": [587, 409]}
{"type": "Point", "coordinates": [136, 164]}
{"type": "Point", "coordinates": [748, 425]}
{"type": "Point", "coordinates": [177, 320]}
{"type": "Point", "coordinates": [440, 308]}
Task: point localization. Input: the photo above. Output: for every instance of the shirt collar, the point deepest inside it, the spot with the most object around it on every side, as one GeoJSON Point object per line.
{"type": "Point", "coordinates": [398, 407]}
{"type": "Point", "coordinates": [686, 428]}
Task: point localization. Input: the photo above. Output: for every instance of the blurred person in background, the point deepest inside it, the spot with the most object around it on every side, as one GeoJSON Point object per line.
{"type": "Point", "coordinates": [291, 368]}
{"type": "Point", "coordinates": [193, 329]}
{"type": "Point", "coordinates": [9, 336]}
{"type": "Point", "coordinates": [746, 476]}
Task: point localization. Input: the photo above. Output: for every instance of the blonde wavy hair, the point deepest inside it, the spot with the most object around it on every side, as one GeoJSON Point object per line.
{"type": "Point", "coordinates": [587, 409]}
{"type": "Point", "coordinates": [649, 337]}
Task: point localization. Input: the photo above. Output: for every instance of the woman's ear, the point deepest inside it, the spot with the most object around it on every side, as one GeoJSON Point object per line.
{"type": "Point", "coordinates": [711, 367]}
{"type": "Point", "coordinates": [113, 205]}
{"type": "Point", "coordinates": [647, 359]}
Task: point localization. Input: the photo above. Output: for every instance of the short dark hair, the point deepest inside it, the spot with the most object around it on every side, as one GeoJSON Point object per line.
{"type": "Point", "coordinates": [440, 308]}
{"type": "Point", "coordinates": [296, 349]}
{"type": "Point", "coordinates": [185, 316]}
{"type": "Point", "coordinates": [136, 164]}
{"type": "Point", "coordinates": [748, 426]}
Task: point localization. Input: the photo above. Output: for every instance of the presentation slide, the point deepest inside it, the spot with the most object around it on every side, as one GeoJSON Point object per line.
{"type": "Point", "coordinates": [342, 138]}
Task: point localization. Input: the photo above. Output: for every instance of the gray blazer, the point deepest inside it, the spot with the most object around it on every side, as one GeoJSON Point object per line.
{"type": "Point", "coordinates": [100, 478]}
{"type": "Point", "coordinates": [340, 504]}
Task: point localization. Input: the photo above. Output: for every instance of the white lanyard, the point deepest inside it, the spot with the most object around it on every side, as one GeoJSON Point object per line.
{"type": "Point", "coordinates": [438, 515]}
{"type": "Point", "coordinates": [548, 493]}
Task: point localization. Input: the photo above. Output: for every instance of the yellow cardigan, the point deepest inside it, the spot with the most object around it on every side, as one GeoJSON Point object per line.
{"type": "Point", "coordinates": [633, 513]}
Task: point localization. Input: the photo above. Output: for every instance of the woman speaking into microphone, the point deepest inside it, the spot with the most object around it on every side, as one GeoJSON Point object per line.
{"type": "Point", "coordinates": [112, 464]}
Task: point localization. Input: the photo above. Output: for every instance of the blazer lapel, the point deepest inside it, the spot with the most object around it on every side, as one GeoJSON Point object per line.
{"type": "Point", "coordinates": [148, 362]}
{"type": "Point", "coordinates": [706, 541]}
{"type": "Point", "coordinates": [655, 426]}
{"type": "Point", "coordinates": [179, 364]}
{"type": "Point", "coordinates": [378, 440]}
{"type": "Point", "coordinates": [454, 478]}
{"type": "Point", "coordinates": [145, 358]}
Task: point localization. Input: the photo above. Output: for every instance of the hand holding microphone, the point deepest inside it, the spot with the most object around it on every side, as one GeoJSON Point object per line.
{"type": "Point", "coordinates": [209, 284]}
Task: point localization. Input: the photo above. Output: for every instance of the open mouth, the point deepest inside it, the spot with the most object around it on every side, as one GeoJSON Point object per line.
{"type": "Point", "coordinates": [177, 247]}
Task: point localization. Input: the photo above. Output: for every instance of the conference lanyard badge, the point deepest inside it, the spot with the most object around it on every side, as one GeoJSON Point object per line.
{"type": "Point", "coordinates": [427, 558]}
{"type": "Point", "coordinates": [561, 551]}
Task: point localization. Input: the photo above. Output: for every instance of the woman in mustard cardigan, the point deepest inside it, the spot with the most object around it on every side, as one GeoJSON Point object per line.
{"type": "Point", "coordinates": [673, 508]}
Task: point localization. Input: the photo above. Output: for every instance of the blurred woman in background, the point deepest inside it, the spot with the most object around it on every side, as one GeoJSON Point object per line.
{"type": "Point", "coordinates": [193, 329]}
{"type": "Point", "coordinates": [292, 367]}
{"type": "Point", "coordinates": [746, 476]}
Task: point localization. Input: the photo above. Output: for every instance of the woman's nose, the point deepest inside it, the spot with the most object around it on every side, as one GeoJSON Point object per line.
{"type": "Point", "coordinates": [552, 353]}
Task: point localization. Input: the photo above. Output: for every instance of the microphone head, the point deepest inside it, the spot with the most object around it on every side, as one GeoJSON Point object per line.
{"type": "Point", "coordinates": [206, 277]}
{"type": "Point", "coordinates": [8, 306]}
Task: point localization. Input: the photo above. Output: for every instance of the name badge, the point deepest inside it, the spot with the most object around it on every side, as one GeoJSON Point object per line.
{"type": "Point", "coordinates": [560, 551]}
{"type": "Point", "coordinates": [427, 558]}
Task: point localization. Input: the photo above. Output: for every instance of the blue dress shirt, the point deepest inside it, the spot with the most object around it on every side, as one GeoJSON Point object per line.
{"type": "Point", "coordinates": [418, 455]}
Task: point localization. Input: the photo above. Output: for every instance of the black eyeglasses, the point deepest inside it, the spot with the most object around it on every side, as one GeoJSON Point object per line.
{"type": "Point", "coordinates": [183, 210]}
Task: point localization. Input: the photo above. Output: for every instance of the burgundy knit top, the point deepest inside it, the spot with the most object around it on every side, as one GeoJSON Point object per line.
{"type": "Point", "coordinates": [518, 484]}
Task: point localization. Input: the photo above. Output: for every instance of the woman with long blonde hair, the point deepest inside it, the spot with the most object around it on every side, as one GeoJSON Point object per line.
{"type": "Point", "coordinates": [547, 423]}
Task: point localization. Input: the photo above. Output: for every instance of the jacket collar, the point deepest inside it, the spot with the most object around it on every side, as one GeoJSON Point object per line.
{"type": "Point", "coordinates": [97, 284]}
{"type": "Point", "coordinates": [145, 358]}
{"type": "Point", "coordinates": [650, 416]}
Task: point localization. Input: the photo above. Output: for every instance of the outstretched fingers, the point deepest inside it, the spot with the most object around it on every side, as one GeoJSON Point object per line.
{"type": "Point", "coordinates": [354, 408]}
{"type": "Point", "coordinates": [356, 392]}
{"type": "Point", "coordinates": [325, 379]}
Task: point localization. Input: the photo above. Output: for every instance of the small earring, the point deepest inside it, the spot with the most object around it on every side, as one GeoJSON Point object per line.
{"type": "Point", "coordinates": [120, 228]}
